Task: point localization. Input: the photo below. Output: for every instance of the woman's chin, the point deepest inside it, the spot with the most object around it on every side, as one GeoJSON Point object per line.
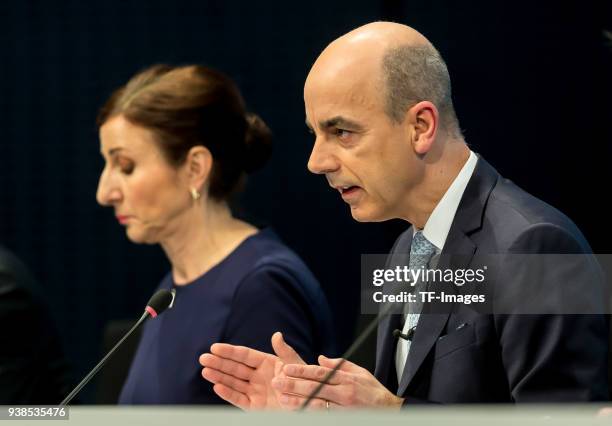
{"type": "Point", "coordinates": [138, 237]}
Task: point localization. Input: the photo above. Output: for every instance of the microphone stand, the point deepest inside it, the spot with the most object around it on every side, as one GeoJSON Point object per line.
{"type": "Point", "coordinates": [93, 372]}
{"type": "Point", "coordinates": [349, 352]}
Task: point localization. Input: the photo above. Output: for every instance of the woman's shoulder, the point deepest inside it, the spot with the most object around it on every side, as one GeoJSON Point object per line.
{"type": "Point", "coordinates": [267, 252]}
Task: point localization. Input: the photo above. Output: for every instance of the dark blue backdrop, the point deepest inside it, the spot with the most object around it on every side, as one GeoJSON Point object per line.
{"type": "Point", "coordinates": [529, 83]}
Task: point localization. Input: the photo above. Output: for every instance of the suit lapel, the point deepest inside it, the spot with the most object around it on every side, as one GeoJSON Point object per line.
{"type": "Point", "coordinates": [434, 318]}
{"type": "Point", "coordinates": [385, 353]}
{"type": "Point", "coordinates": [386, 343]}
{"type": "Point", "coordinates": [457, 253]}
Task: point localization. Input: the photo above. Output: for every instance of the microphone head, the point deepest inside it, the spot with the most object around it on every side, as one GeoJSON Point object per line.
{"type": "Point", "coordinates": [397, 333]}
{"type": "Point", "coordinates": [159, 302]}
{"type": "Point", "coordinates": [410, 333]}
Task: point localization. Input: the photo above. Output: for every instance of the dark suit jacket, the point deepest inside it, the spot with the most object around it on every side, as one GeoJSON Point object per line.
{"type": "Point", "coordinates": [32, 365]}
{"type": "Point", "coordinates": [499, 357]}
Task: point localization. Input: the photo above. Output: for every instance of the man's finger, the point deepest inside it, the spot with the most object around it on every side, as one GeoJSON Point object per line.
{"type": "Point", "coordinates": [293, 402]}
{"type": "Point", "coordinates": [226, 366]}
{"type": "Point", "coordinates": [347, 366]}
{"type": "Point", "coordinates": [236, 398]}
{"type": "Point", "coordinates": [285, 352]}
{"type": "Point", "coordinates": [304, 388]}
{"type": "Point", "coordinates": [278, 368]}
{"type": "Point", "coordinates": [241, 354]}
{"type": "Point", "coordinates": [312, 372]}
{"type": "Point", "coordinates": [215, 376]}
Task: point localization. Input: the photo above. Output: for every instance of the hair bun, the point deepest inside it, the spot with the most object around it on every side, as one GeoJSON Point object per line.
{"type": "Point", "coordinates": [258, 141]}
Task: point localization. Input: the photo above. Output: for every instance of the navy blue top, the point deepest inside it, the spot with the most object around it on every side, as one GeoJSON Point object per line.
{"type": "Point", "coordinates": [260, 288]}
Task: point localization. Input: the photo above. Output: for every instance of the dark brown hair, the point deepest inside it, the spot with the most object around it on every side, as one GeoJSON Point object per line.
{"type": "Point", "coordinates": [195, 105]}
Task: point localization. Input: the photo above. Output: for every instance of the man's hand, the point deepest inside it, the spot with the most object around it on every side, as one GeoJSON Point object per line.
{"type": "Point", "coordinates": [243, 376]}
{"type": "Point", "coordinates": [351, 386]}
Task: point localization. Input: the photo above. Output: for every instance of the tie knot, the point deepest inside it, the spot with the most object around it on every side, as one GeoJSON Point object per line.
{"type": "Point", "coordinates": [421, 246]}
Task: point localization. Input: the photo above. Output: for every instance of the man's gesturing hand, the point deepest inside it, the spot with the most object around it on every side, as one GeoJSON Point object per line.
{"type": "Point", "coordinates": [351, 386]}
{"type": "Point", "coordinates": [243, 376]}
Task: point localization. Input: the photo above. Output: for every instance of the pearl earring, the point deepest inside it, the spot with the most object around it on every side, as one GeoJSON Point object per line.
{"type": "Point", "coordinates": [195, 194]}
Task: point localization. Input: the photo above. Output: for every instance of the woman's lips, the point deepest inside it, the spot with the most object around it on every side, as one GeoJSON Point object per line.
{"type": "Point", "coordinates": [122, 219]}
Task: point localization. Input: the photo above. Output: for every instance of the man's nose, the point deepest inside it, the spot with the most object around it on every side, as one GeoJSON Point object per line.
{"type": "Point", "coordinates": [322, 160]}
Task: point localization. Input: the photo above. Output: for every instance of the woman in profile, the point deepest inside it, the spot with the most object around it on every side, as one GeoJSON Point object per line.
{"type": "Point", "coordinates": [178, 143]}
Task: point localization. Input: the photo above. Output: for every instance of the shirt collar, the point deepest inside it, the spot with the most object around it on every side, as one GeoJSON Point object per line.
{"type": "Point", "coordinates": [441, 218]}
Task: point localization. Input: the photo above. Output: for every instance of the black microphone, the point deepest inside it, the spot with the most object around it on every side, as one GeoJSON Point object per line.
{"type": "Point", "coordinates": [157, 304]}
{"type": "Point", "coordinates": [408, 336]}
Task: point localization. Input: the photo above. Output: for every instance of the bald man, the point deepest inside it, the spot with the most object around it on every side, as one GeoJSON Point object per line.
{"type": "Point", "coordinates": [378, 101]}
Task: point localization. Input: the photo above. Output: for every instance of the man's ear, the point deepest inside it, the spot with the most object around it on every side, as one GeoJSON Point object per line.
{"type": "Point", "coordinates": [423, 118]}
{"type": "Point", "coordinates": [197, 167]}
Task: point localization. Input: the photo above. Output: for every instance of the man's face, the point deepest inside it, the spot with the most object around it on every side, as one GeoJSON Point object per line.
{"type": "Point", "coordinates": [365, 156]}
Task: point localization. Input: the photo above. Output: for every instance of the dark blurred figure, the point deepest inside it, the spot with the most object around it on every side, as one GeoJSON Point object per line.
{"type": "Point", "coordinates": [32, 366]}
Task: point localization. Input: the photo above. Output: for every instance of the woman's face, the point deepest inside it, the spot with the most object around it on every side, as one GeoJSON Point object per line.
{"type": "Point", "coordinates": [148, 194]}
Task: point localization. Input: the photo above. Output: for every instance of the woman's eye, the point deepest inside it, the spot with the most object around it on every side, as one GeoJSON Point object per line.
{"type": "Point", "coordinates": [126, 167]}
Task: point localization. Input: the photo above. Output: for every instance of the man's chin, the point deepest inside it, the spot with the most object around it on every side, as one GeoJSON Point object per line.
{"type": "Point", "coordinates": [363, 215]}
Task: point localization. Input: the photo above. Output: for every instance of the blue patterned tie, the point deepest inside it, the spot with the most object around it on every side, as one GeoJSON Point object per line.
{"type": "Point", "coordinates": [421, 252]}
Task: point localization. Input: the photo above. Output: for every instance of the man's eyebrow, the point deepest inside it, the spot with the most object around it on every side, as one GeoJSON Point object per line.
{"type": "Point", "coordinates": [340, 121]}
